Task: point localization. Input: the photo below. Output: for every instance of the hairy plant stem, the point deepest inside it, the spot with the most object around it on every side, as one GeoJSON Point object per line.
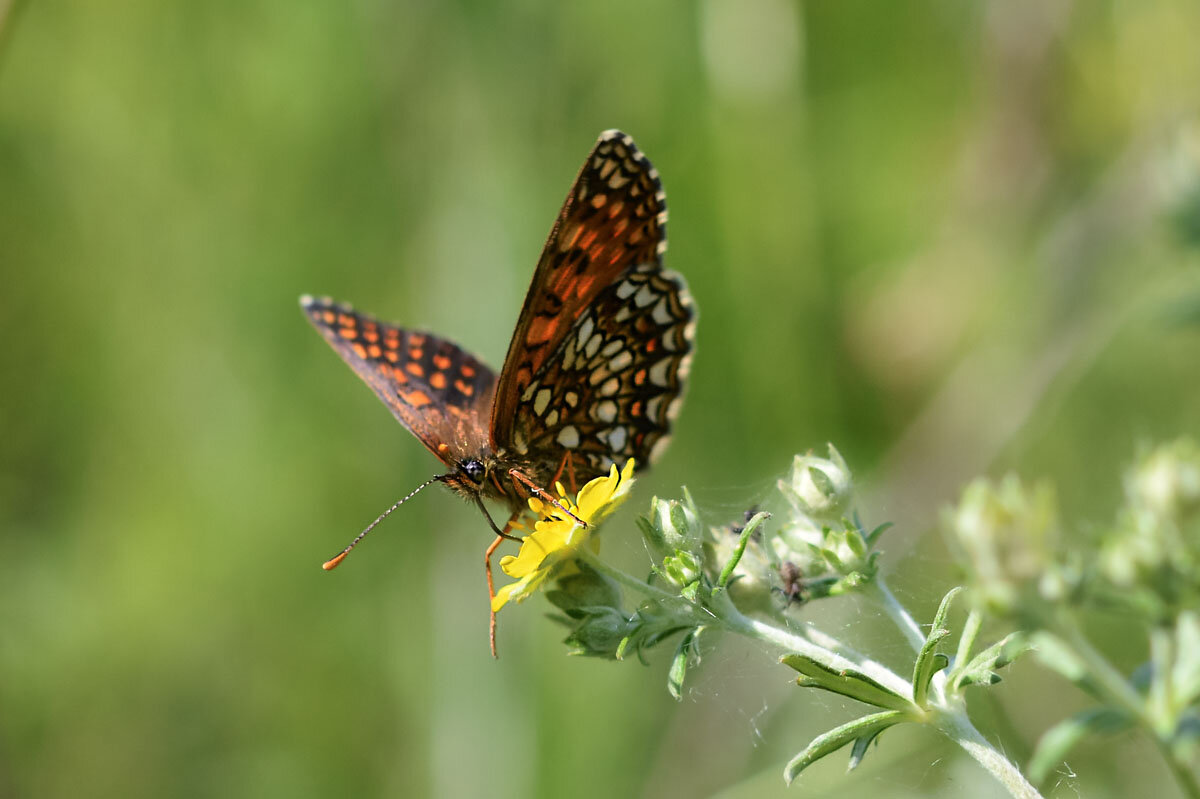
{"type": "Point", "coordinates": [1119, 693]}
{"type": "Point", "coordinates": [948, 717]}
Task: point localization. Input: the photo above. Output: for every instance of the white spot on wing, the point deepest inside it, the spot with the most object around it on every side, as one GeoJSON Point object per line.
{"type": "Point", "coordinates": [541, 401]}
{"type": "Point", "coordinates": [659, 373]}
{"type": "Point", "coordinates": [569, 437]}
{"type": "Point", "coordinates": [585, 330]}
{"type": "Point", "coordinates": [662, 314]}
{"type": "Point", "coordinates": [605, 411]}
{"type": "Point", "coordinates": [623, 360]}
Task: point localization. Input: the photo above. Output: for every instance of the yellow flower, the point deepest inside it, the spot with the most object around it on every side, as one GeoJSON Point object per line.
{"type": "Point", "coordinates": [556, 537]}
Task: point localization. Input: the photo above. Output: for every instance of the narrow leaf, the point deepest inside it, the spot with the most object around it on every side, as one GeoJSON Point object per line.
{"type": "Point", "coordinates": [836, 738]}
{"type": "Point", "coordinates": [853, 684]}
{"type": "Point", "coordinates": [860, 748]}
{"type": "Point", "coordinates": [679, 666]}
{"type": "Point", "coordinates": [927, 665]}
{"type": "Point", "coordinates": [873, 536]}
{"type": "Point", "coordinates": [981, 670]}
{"type": "Point", "coordinates": [747, 531]}
{"type": "Point", "coordinates": [1062, 737]}
{"type": "Point", "coordinates": [1055, 654]}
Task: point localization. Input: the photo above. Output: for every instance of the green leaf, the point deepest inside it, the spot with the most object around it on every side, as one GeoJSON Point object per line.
{"type": "Point", "coordinates": [586, 588]}
{"type": "Point", "coordinates": [1056, 655]}
{"type": "Point", "coordinates": [747, 531]}
{"type": "Point", "coordinates": [832, 560]}
{"type": "Point", "coordinates": [679, 665]}
{"type": "Point", "coordinates": [981, 670]}
{"type": "Point", "coordinates": [865, 727]}
{"type": "Point", "coordinates": [856, 544]}
{"type": "Point", "coordinates": [927, 664]}
{"type": "Point", "coordinates": [1062, 737]}
{"type": "Point", "coordinates": [853, 684]}
{"type": "Point", "coordinates": [680, 521]}
{"type": "Point", "coordinates": [1185, 675]}
{"type": "Point", "coordinates": [873, 536]}
{"type": "Point", "coordinates": [601, 633]}
{"type": "Point", "coordinates": [653, 537]}
{"type": "Point", "coordinates": [860, 747]}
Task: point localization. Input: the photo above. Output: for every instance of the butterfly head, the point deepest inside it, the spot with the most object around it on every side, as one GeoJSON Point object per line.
{"type": "Point", "coordinates": [470, 476]}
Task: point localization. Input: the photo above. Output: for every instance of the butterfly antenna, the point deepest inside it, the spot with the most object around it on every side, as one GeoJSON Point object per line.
{"type": "Point", "coordinates": [332, 563]}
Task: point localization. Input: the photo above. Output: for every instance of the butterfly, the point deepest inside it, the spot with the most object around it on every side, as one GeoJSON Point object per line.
{"type": "Point", "coordinates": [596, 369]}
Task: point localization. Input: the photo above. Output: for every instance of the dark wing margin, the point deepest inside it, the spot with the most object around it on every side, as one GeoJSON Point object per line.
{"type": "Point", "coordinates": [441, 393]}
{"type": "Point", "coordinates": [613, 219]}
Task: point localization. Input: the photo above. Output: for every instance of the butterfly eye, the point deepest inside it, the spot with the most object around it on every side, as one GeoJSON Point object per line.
{"type": "Point", "coordinates": [473, 469]}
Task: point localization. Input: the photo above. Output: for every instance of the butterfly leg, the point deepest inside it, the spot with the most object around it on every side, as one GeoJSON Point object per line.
{"type": "Point", "coordinates": [487, 565]}
{"type": "Point", "coordinates": [567, 465]}
{"type": "Point", "coordinates": [520, 479]}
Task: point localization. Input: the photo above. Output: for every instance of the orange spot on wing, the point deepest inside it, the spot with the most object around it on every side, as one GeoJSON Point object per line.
{"type": "Point", "coordinates": [329, 316]}
{"type": "Point", "coordinates": [615, 208]}
{"type": "Point", "coordinates": [416, 398]}
{"type": "Point", "coordinates": [399, 375]}
{"type": "Point", "coordinates": [348, 332]}
{"type": "Point", "coordinates": [639, 377]}
{"type": "Point", "coordinates": [443, 447]}
{"type": "Point", "coordinates": [585, 285]}
{"type": "Point", "coordinates": [371, 334]}
{"type": "Point", "coordinates": [346, 320]}
{"type": "Point", "coordinates": [360, 349]}
{"type": "Point", "coordinates": [391, 355]}
{"type": "Point", "coordinates": [416, 340]}
{"type": "Point", "coordinates": [465, 388]}
{"type": "Point", "coordinates": [651, 345]}
{"type": "Point", "coordinates": [414, 369]}
{"type": "Point", "coordinates": [589, 239]}
{"type": "Point", "coordinates": [374, 350]}
{"type": "Point", "coordinates": [438, 380]}
{"type": "Point", "coordinates": [599, 200]}
{"type": "Point", "coordinates": [636, 409]}
{"type": "Point", "coordinates": [467, 370]}
{"type": "Point", "coordinates": [441, 362]}
{"type": "Point", "coordinates": [416, 353]}
{"type": "Point", "coordinates": [541, 330]}
{"type": "Point", "coordinates": [574, 236]}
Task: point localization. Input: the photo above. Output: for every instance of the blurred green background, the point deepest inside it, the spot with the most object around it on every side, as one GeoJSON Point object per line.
{"type": "Point", "coordinates": [951, 237]}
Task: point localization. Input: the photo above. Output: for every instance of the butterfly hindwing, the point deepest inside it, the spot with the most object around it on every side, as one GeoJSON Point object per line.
{"type": "Point", "coordinates": [440, 393]}
{"type": "Point", "coordinates": [612, 388]}
{"type": "Point", "coordinates": [614, 219]}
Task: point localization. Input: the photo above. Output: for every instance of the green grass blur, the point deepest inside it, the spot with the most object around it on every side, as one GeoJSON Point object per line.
{"type": "Point", "coordinates": [952, 238]}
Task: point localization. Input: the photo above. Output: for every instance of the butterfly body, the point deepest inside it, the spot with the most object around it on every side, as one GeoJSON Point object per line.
{"type": "Point", "coordinates": [597, 365]}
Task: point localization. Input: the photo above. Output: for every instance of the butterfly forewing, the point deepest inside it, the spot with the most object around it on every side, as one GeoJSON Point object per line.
{"type": "Point", "coordinates": [614, 218]}
{"type": "Point", "coordinates": [439, 392]}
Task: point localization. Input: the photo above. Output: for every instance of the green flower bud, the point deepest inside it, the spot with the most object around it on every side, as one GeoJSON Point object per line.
{"type": "Point", "coordinates": [820, 489]}
{"type": "Point", "coordinates": [1167, 481]}
{"type": "Point", "coordinates": [1008, 533]}
{"type": "Point", "coordinates": [671, 525]}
